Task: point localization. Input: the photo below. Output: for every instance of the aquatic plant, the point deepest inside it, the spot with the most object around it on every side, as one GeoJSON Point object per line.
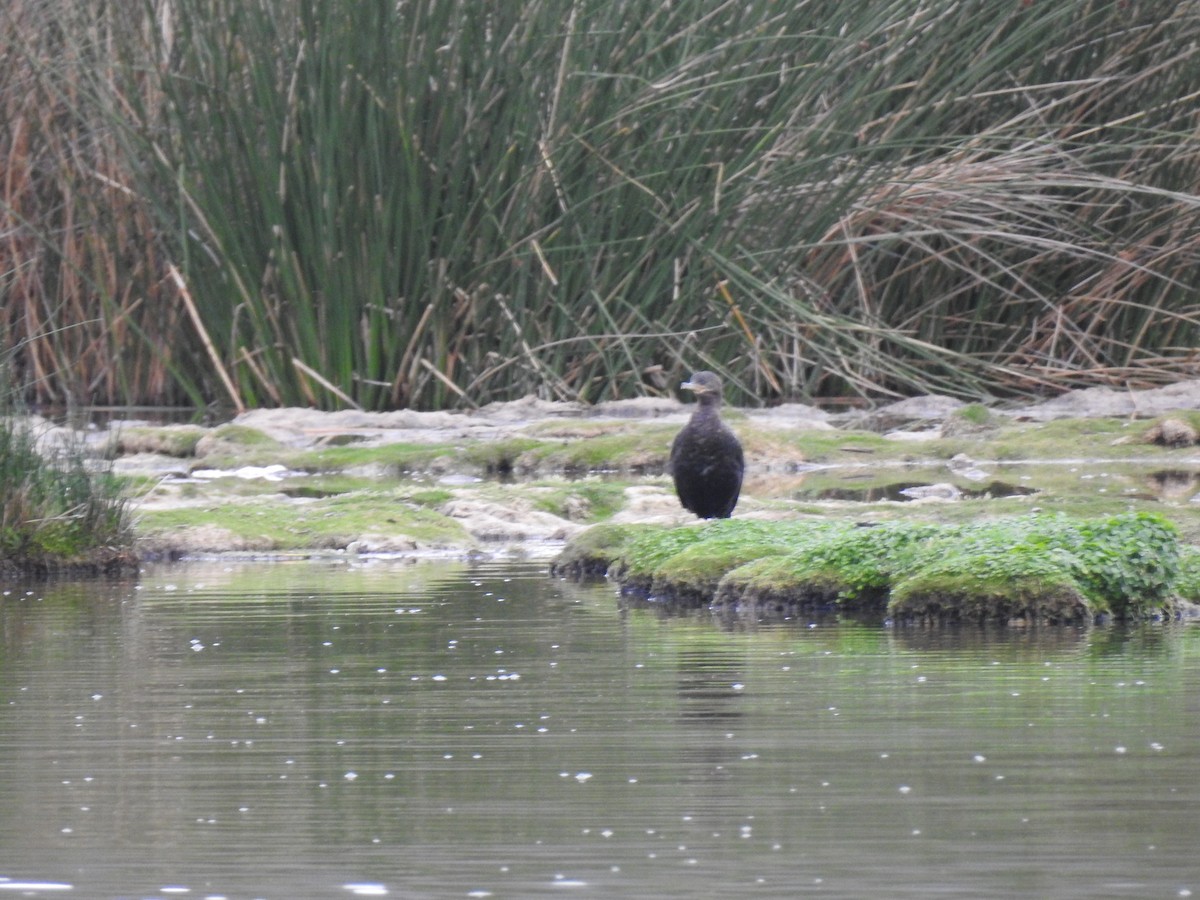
{"type": "Point", "coordinates": [1188, 582]}
{"type": "Point", "coordinates": [56, 511]}
{"type": "Point", "coordinates": [590, 553]}
{"type": "Point", "coordinates": [1038, 567]}
{"type": "Point", "coordinates": [1124, 561]}
{"type": "Point", "coordinates": [693, 573]}
{"type": "Point", "coordinates": [444, 203]}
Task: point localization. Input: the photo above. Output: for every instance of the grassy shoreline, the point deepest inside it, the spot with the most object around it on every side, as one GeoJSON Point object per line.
{"type": "Point", "coordinates": [59, 515]}
{"type": "Point", "coordinates": [523, 478]}
{"type": "Point", "coordinates": [498, 484]}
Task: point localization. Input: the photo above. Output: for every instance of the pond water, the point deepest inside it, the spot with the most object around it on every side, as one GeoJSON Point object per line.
{"type": "Point", "coordinates": [302, 729]}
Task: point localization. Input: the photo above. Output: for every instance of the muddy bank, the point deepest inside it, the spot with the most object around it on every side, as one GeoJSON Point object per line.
{"type": "Point", "coordinates": [521, 478]}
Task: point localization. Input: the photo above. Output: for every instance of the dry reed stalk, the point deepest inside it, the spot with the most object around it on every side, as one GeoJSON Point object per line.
{"type": "Point", "coordinates": [325, 383]}
{"type": "Point", "coordinates": [209, 347]}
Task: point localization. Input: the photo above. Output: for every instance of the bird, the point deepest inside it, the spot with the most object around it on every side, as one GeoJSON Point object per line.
{"type": "Point", "coordinates": [706, 459]}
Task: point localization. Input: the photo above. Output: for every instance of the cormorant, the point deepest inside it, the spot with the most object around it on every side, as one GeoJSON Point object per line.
{"type": "Point", "coordinates": [706, 457]}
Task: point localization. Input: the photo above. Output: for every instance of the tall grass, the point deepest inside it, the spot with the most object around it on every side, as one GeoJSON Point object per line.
{"type": "Point", "coordinates": [57, 513]}
{"type": "Point", "coordinates": [445, 202]}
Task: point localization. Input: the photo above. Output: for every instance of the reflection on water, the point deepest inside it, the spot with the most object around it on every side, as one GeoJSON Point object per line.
{"type": "Point", "coordinates": [305, 730]}
{"type": "Point", "coordinates": [1134, 479]}
{"type": "Point", "coordinates": [901, 491]}
{"type": "Point", "coordinates": [1175, 484]}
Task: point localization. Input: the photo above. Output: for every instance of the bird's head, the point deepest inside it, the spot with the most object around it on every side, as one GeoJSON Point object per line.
{"type": "Point", "coordinates": [703, 384]}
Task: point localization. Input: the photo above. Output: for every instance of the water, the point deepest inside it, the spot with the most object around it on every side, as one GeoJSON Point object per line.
{"type": "Point", "coordinates": [297, 730]}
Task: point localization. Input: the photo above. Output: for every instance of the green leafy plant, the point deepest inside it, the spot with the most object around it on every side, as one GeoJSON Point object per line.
{"type": "Point", "coordinates": [1041, 567]}
{"type": "Point", "coordinates": [1188, 581]}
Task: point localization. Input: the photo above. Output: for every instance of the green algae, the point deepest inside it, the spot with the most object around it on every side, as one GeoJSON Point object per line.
{"type": "Point", "coordinates": [589, 501]}
{"type": "Point", "coordinates": [1037, 568]}
{"type": "Point", "coordinates": [694, 573]}
{"type": "Point", "coordinates": [642, 449]}
{"type": "Point", "coordinates": [171, 440]}
{"type": "Point", "coordinates": [245, 444]}
{"type": "Point", "coordinates": [983, 587]}
{"type": "Point", "coordinates": [593, 551]}
{"type": "Point", "coordinates": [323, 523]}
{"type": "Point", "coordinates": [395, 458]}
{"type": "Point", "coordinates": [975, 414]}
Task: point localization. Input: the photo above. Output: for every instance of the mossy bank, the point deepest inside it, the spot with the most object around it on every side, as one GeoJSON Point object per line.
{"type": "Point", "coordinates": [1038, 568]}
{"type": "Point", "coordinates": [523, 478]}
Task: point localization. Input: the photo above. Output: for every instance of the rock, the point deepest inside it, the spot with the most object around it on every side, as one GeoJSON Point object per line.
{"type": "Point", "coordinates": [646, 503]}
{"type": "Point", "coordinates": [972, 419]}
{"type": "Point", "coordinates": [914, 437]}
{"type": "Point", "coordinates": [50, 440]}
{"type": "Point", "coordinates": [152, 464]}
{"type": "Point", "coordinates": [373, 542]}
{"type": "Point", "coordinates": [640, 407]}
{"type": "Point", "coordinates": [906, 413]}
{"type": "Point", "coordinates": [232, 439]}
{"type": "Point", "coordinates": [791, 415]}
{"type": "Point", "coordinates": [488, 521]}
{"type": "Point", "coordinates": [637, 432]}
{"type": "Point", "coordinates": [305, 427]}
{"type": "Point", "coordinates": [528, 408]}
{"type": "Point", "coordinates": [1097, 401]}
{"type": "Point", "coordinates": [577, 508]}
{"type": "Point", "coordinates": [1105, 402]}
{"type": "Point", "coordinates": [943, 491]}
{"type": "Point", "coordinates": [166, 440]}
{"type": "Point", "coordinates": [965, 467]}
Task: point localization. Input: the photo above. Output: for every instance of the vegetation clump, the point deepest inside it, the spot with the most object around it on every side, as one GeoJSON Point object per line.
{"type": "Point", "coordinates": [592, 552]}
{"type": "Point", "coordinates": [848, 567]}
{"type": "Point", "coordinates": [693, 574]}
{"type": "Point", "coordinates": [1179, 430]}
{"type": "Point", "coordinates": [56, 514]}
{"type": "Point", "coordinates": [1004, 584]}
{"type": "Point", "coordinates": [238, 441]}
{"type": "Point", "coordinates": [1187, 584]}
{"type": "Point", "coordinates": [170, 440]}
{"type": "Point", "coordinates": [1036, 568]}
{"type": "Point", "coordinates": [972, 419]}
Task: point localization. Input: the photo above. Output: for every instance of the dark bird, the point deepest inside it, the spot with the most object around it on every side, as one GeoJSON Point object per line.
{"type": "Point", "coordinates": [706, 457]}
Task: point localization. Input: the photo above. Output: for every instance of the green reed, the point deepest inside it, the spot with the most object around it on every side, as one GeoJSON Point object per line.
{"type": "Point", "coordinates": [430, 204]}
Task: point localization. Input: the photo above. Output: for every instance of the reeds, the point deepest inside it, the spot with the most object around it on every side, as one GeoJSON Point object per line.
{"type": "Point", "coordinates": [445, 202]}
{"type": "Point", "coordinates": [79, 263]}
